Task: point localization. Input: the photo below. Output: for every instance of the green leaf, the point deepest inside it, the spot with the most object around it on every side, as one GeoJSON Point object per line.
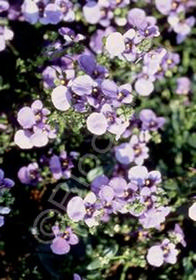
{"type": "Point", "coordinates": [94, 264]}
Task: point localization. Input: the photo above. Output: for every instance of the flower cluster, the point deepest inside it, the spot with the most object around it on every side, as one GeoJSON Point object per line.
{"type": "Point", "coordinates": [35, 131]}
{"type": "Point", "coordinates": [176, 16]}
{"type": "Point", "coordinates": [59, 166]}
{"type": "Point", "coordinates": [139, 197]}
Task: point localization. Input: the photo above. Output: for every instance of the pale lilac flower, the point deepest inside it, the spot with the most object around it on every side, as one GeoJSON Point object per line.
{"type": "Point", "coordinates": [30, 174]}
{"type": "Point", "coordinates": [61, 165]}
{"type": "Point", "coordinates": [36, 132]}
{"type": "Point", "coordinates": [192, 211]}
{"type": "Point", "coordinates": [140, 176]}
{"type": "Point", "coordinates": [84, 209]}
{"type": "Point", "coordinates": [153, 217]}
{"type": "Point", "coordinates": [62, 242]}
{"type": "Point", "coordinates": [150, 121]}
{"type": "Point", "coordinates": [96, 40]}
{"type": "Point", "coordinates": [140, 150]}
{"type": "Point", "coordinates": [116, 125]}
{"type": "Point", "coordinates": [183, 85]}
{"type": "Point", "coordinates": [155, 256]}
{"type": "Point", "coordinates": [181, 27]}
{"type": "Point", "coordinates": [164, 252]}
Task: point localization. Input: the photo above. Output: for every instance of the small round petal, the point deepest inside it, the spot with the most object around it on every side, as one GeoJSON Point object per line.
{"type": "Point", "coordinates": [23, 175]}
{"type": "Point", "coordinates": [192, 212]}
{"type": "Point", "coordinates": [22, 140]}
{"type": "Point", "coordinates": [106, 193]}
{"type": "Point", "coordinates": [61, 98]}
{"type": "Point", "coordinates": [55, 167]}
{"type": "Point", "coordinates": [75, 209]}
{"type": "Point", "coordinates": [144, 87]}
{"type": "Point", "coordinates": [90, 198]}
{"type": "Point", "coordinates": [26, 118]}
{"type": "Point", "coordinates": [92, 12]}
{"type": "Point", "coordinates": [83, 85]}
{"type": "Point", "coordinates": [115, 44]}
{"type": "Point", "coordinates": [73, 240]}
{"type": "Point", "coordinates": [60, 246]}
{"type": "Point", "coordinates": [109, 88]}
{"type": "Point", "coordinates": [155, 256]}
{"type": "Point", "coordinates": [138, 173]}
{"type": "Point", "coordinates": [119, 185]}
{"type": "Point", "coordinates": [137, 18]}
{"type": "Point", "coordinates": [97, 123]}
{"type": "Point", "coordinates": [124, 153]}
{"type": "Point", "coordinates": [39, 139]}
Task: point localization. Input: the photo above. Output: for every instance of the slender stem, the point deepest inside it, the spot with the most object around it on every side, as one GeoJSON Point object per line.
{"type": "Point", "coordinates": [124, 272]}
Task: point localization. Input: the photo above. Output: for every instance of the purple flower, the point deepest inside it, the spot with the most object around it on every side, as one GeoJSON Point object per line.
{"type": "Point", "coordinates": [47, 12]}
{"type": "Point", "coordinates": [88, 64]}
{"type": "Point", "coordinates": [181, 26]}
{"type": "Point", "coordinates": [183, 86]}
{"type": "Point", "coordinates": [96, 41]}
{"type": "Point", "coordinates": [36, 132]}
{"type": "Point", "coordinates": [140, 150]}
{"type": "Point", "coordinates": [5, 183]}
{"type": "Point", "coordinates": [165, 252]}
{"type": "Point", "coordinates": [63, 240]}
{"type": "Point", "coordinates": [29, 174]}
{"type": "Point", "coordinates": [69, 35]}
{"type": "Point", "coordinates": [116, 125]}
{"type": "Point", "coordinates": [153, 217]}
{"type": "Point", "coordinates": [84, 209]}
{"type": "Point", "coordinates": [108, 201]}
{"type": "Point", "coordinates": [150, 121]}
{"type": "Point", "coordinates": [140, 176]}
{"type": "Point", "coordinates": [61, 166]}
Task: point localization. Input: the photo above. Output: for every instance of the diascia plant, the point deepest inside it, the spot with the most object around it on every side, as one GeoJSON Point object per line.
{"type": "Point", "coordinates": [99, 127]}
